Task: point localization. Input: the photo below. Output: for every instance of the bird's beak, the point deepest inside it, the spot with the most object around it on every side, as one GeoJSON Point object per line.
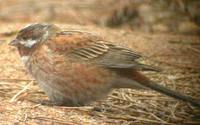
{"type": "Point", "coordinates": [14, 42]}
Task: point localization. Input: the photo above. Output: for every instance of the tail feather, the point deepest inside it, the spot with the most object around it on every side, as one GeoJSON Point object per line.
{"type": "Point", "coordinates": [159, 88]}
{"type": "Point", "coordinates": [172, 93]}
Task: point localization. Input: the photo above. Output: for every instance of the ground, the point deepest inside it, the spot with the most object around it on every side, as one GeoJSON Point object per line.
{"type": "Point", "coordinates": [174, 54]}
{"type": "Point", "coordinates": [172, 44]}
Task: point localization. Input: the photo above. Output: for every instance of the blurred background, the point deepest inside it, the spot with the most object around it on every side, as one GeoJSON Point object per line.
{"type": "Point", "coordinates": [166, 32]}
{"type": "Point", "coordinates": [177, 16]}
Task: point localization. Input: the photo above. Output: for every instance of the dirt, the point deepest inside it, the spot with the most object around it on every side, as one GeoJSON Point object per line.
{"type": "Point", "coordinates": [172, 53]}
{"type": "Point", "coordinates": [172, 45]}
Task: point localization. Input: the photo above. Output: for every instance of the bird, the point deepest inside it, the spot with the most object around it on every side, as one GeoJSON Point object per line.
{"type": "Point", "coordinates": [75, 68]}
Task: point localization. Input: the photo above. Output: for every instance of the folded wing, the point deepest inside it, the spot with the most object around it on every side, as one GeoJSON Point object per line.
{"type": "Point", "coordinates": [88, 47]}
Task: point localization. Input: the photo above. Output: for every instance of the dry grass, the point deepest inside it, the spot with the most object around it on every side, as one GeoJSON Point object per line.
{"type": "Point", "coordinates": [176, 54]}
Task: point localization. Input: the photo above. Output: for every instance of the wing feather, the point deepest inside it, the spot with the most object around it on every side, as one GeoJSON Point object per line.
{"type": "Point", "coordinates": [88, 47]}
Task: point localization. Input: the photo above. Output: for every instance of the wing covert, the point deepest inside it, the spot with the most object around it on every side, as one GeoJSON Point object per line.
{"type": "Point", "coordinates": [87, 47]}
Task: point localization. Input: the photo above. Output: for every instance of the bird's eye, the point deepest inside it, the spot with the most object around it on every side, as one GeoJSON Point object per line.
{"type": "Point", "coordinates": [34, 37]}
{"type": "Point", "coordinates": [24, 38]}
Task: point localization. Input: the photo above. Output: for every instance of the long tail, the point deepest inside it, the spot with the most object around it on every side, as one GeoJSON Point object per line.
{"type": "Point", "coordinates": [159, 88]}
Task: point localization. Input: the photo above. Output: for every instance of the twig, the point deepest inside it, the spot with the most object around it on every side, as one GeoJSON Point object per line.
{"type": "Point", "coordinates": [60, 121]}
{"type": "Point", "coordinates": [194, 49]}
{"type": "Point", "coordinates": [79, 108]}
{"type": "Point", "coordinates": [13, 99]}
{"type": "Point", "coordinates": [130, 118]}
{"type": "Point", "coordinates": [85, 109]}
{"type": "Point", "coordinates": [187, 76]}
{"type": "Point", "coordinates": [15, 80]}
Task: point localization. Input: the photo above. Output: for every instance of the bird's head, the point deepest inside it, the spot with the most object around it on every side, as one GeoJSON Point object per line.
{"type": "Point", "coordinates": [34, 34]}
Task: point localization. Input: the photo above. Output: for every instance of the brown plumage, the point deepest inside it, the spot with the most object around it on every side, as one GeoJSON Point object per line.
{"type": "Point", "coordinates": [74, 68]}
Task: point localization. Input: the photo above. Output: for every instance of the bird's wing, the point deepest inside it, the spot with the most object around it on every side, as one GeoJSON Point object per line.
{"type": "Point", "coordinates": [90, 48]}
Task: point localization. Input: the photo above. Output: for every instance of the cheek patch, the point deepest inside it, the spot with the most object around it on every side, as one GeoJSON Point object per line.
{"type": "Point", "coordinates": [29, 43]}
